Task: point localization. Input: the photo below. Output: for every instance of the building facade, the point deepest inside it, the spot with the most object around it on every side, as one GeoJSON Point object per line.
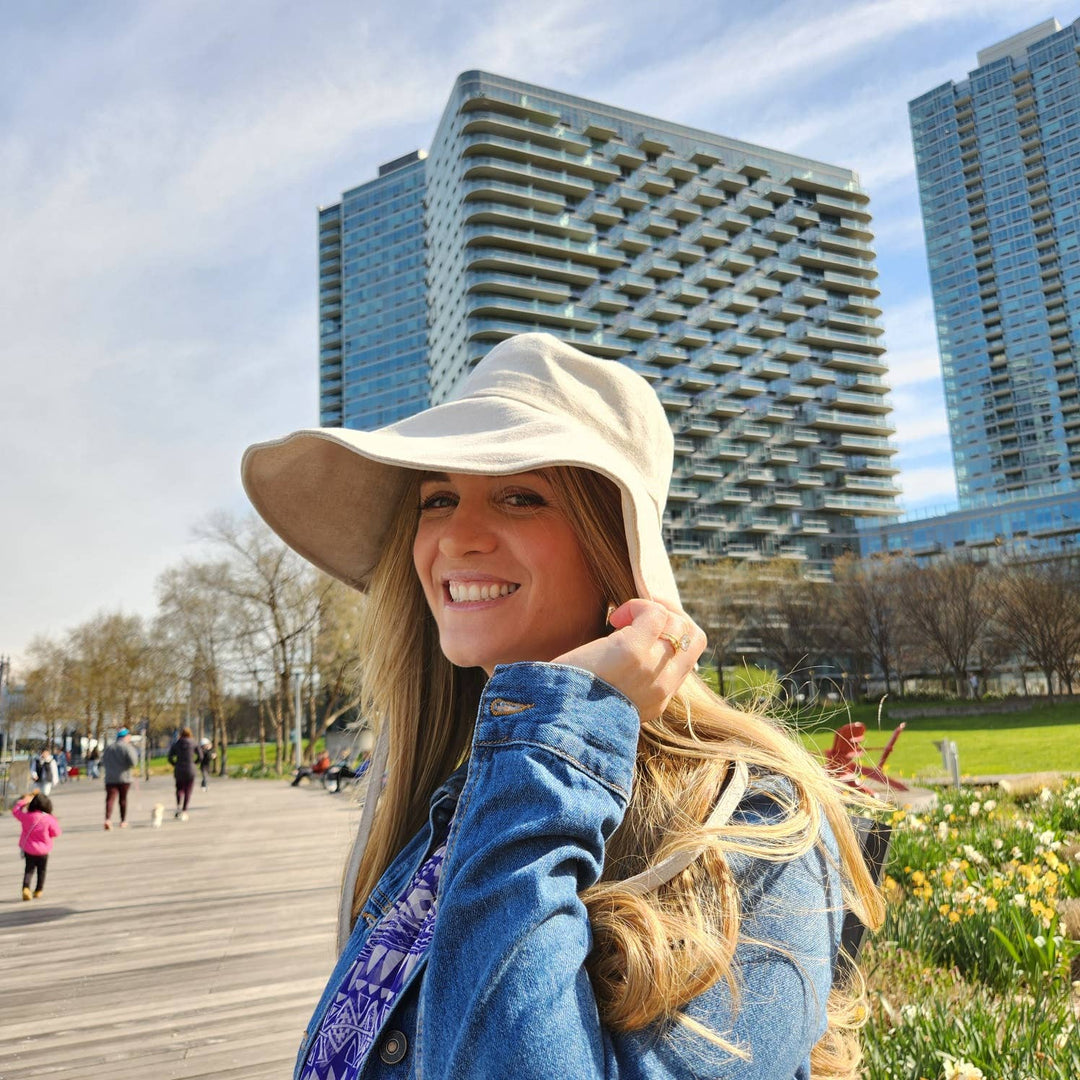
{"type": "Point", "coordinates": [373, 365]}
{"type": "Point", "coordinates": [1038, 527]}
{"type": "Point", "coordinates": [740, 281]}
{"type": "Point", "coordinates": [998, 161]}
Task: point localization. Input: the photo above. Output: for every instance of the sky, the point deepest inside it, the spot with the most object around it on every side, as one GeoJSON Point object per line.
{"type": "Point", "coordinates": [161, 164]}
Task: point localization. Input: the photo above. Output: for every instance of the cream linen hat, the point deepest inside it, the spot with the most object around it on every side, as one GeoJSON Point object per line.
{"type": "Point", "coordinates": [532, 402]}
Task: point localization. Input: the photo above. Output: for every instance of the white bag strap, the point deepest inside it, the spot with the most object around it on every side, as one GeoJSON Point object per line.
{"type": "Point", "coordinates": [367, 818]}
{"type": "Point", "coordinates": [646, 881]}
{"type": "Point", "coordinates": [664, 871]}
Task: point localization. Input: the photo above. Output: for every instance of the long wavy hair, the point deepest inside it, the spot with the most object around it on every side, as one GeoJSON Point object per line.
{"type": "Point", "coordinates": [683, 760]}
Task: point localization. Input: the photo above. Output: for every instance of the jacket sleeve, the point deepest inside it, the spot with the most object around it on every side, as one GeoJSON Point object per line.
{"type": "Point", "coordinates": [506, 992]}
{"type": "Point", "coordinates": [172, 754]}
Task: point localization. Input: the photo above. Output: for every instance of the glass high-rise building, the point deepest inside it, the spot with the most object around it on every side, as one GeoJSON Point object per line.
{"type": "Point", "coordinates": [998, 160]}
{"type": "Point", "coordinates": [373, 366]}
{"type": "Point", "coordinates": [738, 280]}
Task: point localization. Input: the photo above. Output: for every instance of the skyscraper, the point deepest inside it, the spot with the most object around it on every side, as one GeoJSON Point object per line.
{"type": "Point", "coordinates": [372, 300]}
{"type": "Point", "coordinates": [998, 160]}
{"type": "Point", "coordinates": [738, 280]}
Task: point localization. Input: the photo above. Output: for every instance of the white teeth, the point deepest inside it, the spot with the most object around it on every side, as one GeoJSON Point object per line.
{"type": "Point", "coordinates": [470, 591]}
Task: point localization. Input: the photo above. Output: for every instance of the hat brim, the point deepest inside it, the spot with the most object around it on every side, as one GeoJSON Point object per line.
{"type": "Point", "coordinates": [332, 493]}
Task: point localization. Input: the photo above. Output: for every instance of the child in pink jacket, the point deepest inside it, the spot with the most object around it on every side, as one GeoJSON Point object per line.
{"type": "Point", "coordinates": [39, 828]}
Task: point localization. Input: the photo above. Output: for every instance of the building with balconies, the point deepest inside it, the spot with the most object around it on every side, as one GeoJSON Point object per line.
{"type": "Point", "coordinates": [373, 360]}
{"type": "Point", "coordinates": [740, 281]}
{"type": "Point", "coordinates": [998, 160]}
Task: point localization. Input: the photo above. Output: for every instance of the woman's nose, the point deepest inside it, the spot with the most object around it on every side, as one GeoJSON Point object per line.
{"type": "Point", "coordinates": [467, 531]}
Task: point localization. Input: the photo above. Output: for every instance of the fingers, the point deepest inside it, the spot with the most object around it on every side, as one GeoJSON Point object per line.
{"type": "Point", "coordinates": [647, 657]}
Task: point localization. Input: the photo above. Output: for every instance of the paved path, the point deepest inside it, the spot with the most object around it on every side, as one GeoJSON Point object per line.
{"type": "Point", "coordinates": [193, 950]}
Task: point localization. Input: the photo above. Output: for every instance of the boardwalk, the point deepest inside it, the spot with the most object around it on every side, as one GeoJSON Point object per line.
{"type": "Point", "coordinates": [193, 950]}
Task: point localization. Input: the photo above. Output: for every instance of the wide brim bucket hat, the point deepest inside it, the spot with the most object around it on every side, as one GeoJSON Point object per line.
{"type": "Point", "coordinates": [533, 402]}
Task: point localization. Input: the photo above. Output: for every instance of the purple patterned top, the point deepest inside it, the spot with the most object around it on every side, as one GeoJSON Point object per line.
{"type": "Point", "coordinates": [378, 975]}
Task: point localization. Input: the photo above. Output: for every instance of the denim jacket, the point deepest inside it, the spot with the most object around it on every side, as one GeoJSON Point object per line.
{"type": "Point", "coordinates": [503, 991]}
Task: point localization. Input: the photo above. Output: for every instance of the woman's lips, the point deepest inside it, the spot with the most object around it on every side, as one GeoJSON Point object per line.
{"type": "Point", "coordinates": [464, 592]}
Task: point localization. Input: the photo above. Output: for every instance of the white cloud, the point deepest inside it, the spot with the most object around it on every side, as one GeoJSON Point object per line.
{"type": "Point", "coordinates": [932, 485]}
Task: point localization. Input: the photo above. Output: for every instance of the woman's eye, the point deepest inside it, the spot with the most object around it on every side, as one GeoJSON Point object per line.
{"type": "Point", "coordinates": [438, 500]}
{"type": "Point", "coordinates": [524, 498]}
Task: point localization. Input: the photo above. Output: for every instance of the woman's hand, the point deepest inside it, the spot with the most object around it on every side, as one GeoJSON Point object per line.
{"type": "Point", "coordinates": [645, 666]}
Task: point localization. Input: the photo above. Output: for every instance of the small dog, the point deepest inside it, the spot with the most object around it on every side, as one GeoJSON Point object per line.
{"type": "Point", "coordinates": [156, 815]}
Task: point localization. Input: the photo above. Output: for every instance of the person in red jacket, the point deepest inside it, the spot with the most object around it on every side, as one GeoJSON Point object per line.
{"type": "Point", "coordinates": [39, 829]}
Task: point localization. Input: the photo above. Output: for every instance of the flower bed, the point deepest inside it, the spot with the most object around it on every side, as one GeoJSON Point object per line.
{"type": "Point", "coordinates": [973, 974]}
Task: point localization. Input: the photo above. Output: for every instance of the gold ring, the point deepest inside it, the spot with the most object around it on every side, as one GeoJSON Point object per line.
{"type": "Point", "coordinates": [679, 644]}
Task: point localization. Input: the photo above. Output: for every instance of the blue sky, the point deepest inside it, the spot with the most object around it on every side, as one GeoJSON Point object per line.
{"type": "Point", "coordinates": [160, 167]}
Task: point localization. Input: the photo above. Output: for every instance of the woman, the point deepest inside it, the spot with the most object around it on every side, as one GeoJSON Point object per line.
{"type": "Point", "coordinates": [583, 863]}
{"type": "Point", "coordinates": [182, 759]}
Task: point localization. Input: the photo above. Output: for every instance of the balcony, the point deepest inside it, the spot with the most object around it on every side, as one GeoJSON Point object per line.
{"type": "Point", "coordinates": [631, 282]}
{"type": "Point", "coordinates": [660, 352]}
{"type": "Point", "coordinates": [519, 194]}
{"type": "Point", "coordinates": [627, 197]}
{"type": "Point", "coordinates": [652, 222]}
{"type": "Point", "coordinates": [602, 297]}
{"type": "Point", "coordinates": [531, 288]}
{"type": "Point", "coordinates": [736, 342]}
{"type": "Point", "coordinates": [568, 316]}
{"type": "Point", "coordinates": [505, 259]}
{"type": "Point", "coordinates": [516, 172]}
{"type": "Point", "coordinates": [627, 239]}
{"type": "Point", "coordinates": [659, 309]}
{"type": "Point", "coordinates": [708, 275]}
{"type": "Point", "coordinates": [733, 300]}
{"type": "Point", "coordinates": [655, 265]}
{"type": "Point", "coordinates": [629, 325]}
{"type": "Point", "coordinates": [856, 504]}
{"type": "Point", "coordinates": [536, 154]}
{"type": "Point", "coordinates": [689, 336]}
{"type": "Point", "coordinates": [743, 386]}
{"type": "Point", "coordinates": [518, 217]}
{"type": "Point", "coordinates": [695, 424]}
{"type": "Point", "coordinates": [594, 253]}
{"type": "Point", "coordinates": [716, 360]}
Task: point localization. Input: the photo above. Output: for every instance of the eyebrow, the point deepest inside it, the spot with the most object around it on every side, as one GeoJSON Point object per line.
{"type": "Point", "coordinates": [428, 476]}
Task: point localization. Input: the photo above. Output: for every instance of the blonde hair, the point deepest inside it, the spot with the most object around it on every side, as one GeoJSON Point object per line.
{"type": "Point", "coordinates": [652, 953]}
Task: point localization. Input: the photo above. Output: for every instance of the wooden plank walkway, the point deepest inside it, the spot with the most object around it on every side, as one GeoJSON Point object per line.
{"type": "Point", "coordinates": [195, 950]}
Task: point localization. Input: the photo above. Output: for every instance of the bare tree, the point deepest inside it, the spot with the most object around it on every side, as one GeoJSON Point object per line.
{"type": "Point", "coordinates": [282, 597]}
{"type": "Point", "coordinates": [719, 596]}
{"type": "Point", "coordinates": [868, 612]}
{"type": "Point", "coordinates": [948, 605]}
{"type": "Point", "coordinates": [196, 619]}
{"type": "Point", "coordinates": [1038, 609]}
{"type": "Point", "coordinates": [792, 622]}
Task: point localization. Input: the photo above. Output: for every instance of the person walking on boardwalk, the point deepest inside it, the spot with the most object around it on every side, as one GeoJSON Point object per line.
{"type": "Point", "coordinates": [582, 863]}
{"type": "Point", "coordinates": [182, 759]}
{"type": "Point", "coordinates": [39, 829]}
{"type": "Point", "coordinates": [44, 771]}
{"type": "Point", "coordinates": [205, 755]}
{"type": "Point", "coordinates": [117, 761]}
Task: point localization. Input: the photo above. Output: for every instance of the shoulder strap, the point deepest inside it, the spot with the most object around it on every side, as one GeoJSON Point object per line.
{"type": "Point", "coordinates": [664, 871]}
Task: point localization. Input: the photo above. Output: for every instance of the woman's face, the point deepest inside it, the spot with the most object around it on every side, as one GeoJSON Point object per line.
{"type": "Point", "coordinates": [502, 570]}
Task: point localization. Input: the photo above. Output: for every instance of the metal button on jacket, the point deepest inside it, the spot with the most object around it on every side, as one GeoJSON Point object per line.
{"type": "Point", "coordinates": [393, 1047]}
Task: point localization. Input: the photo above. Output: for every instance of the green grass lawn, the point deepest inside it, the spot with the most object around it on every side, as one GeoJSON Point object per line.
{"type": "Point", "coordinates": [1045, 738]}
{"type": "Point", "coordinates": [244, 756]}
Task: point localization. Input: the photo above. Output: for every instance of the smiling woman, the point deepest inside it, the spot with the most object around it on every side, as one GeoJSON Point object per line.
{"type": "Point", "coordinates": [582, 862]}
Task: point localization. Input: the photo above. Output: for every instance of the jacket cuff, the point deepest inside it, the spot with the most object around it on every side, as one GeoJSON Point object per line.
{"type": "Point", "coordinates": [566, 710]}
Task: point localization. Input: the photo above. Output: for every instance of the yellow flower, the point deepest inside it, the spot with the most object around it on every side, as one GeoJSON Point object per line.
{"type": "Point", "coordinates": [954, 916]}
{"type": "Point", "coordinates": [943, 909]}
{"type": "Point", "coordinates": [918, 878]}
{"type": "Point", "coordinates": [990, 903]}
